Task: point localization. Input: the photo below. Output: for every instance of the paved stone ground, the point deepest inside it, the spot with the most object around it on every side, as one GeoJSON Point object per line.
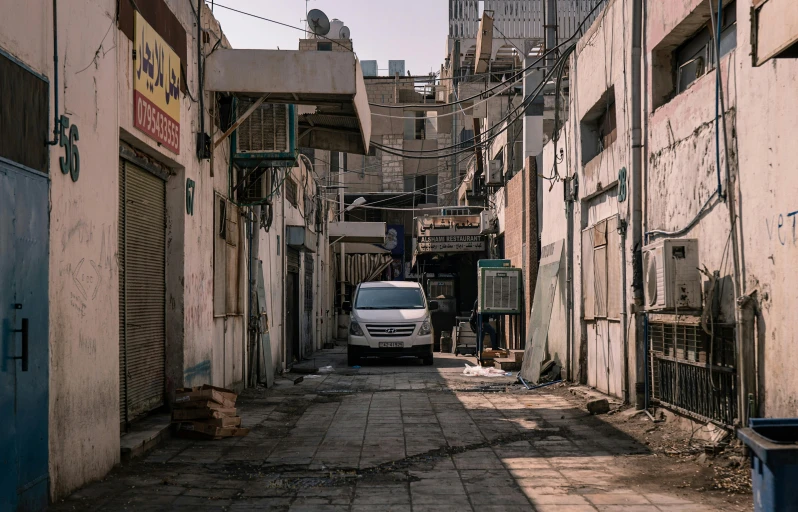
{"type": "Point", "coordinates": [398, 436]}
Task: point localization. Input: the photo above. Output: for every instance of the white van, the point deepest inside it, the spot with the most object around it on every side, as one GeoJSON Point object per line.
{"type": "Point", "coordinates": [390, 319]}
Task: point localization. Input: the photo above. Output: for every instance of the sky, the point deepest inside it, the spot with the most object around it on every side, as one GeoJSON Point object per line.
{"type": "Point", "coordinates": [382, 30]}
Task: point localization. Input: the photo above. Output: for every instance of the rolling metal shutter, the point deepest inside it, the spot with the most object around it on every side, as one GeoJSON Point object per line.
{"type": "Point", "coordinates": [142, 292]}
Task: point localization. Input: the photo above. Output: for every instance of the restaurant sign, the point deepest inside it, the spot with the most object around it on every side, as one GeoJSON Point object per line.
{"type": "Point", "coordinates": [156, 86]}
{"type": "Point", "coordinates": [449, 233]}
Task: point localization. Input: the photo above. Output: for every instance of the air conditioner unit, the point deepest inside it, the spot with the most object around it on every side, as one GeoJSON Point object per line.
{"type": "Point", "coordinates": [267, 138]}
{"type": "Point", "coordinates": [488, 222]}
{"type": "Point", "coordinates": [500, 290]}
{"type": "Point", "coordinates": [495, 172]}
{"type": "Point", "coordinates": [257, 186]}
{"type": "Point", "coordinates": [670, 272]}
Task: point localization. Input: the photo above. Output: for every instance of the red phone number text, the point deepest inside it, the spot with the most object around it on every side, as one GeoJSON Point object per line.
{"type": "Point", "coordinates": [153, 121]}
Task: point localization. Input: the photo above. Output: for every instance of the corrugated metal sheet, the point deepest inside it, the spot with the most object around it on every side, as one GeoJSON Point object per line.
{"type": "Point", "coordinates": [143, 334]}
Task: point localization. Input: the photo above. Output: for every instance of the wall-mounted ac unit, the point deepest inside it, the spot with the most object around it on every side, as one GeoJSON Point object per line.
{"type": "Point", "coordinates": [500, 290]}
{"type": "Point", "coordinates": [488, 222]}
{"type": "Point", "coordinates": [495, 174]}
{"type": "Point", "coordinates": [267, 138]}
{"type": "Point", "coordinates": [671, 277]}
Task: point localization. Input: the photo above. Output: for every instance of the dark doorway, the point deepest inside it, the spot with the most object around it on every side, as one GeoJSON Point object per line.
{"type": "Point", "coordinates": [291, 318]}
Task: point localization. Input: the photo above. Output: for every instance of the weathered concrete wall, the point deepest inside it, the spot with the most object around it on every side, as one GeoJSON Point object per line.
{"type": "Point", "coordinates": [84, 293]}
{"type": "Point", "coordinates": [768, 187]}
{"type": "Point", "coordinates": [95, 92]}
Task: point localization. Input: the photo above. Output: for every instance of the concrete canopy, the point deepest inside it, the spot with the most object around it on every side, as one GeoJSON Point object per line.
{"type": "Point", "coordinates": [365, 232]}
{"type": "Point", "coordinates": [330, 81]}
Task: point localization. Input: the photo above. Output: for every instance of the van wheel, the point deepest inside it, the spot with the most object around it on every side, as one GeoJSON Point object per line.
{"type": "Point", "coordinates": [427, 360]}
{"type": "Point", "coordinates": [352, 358]}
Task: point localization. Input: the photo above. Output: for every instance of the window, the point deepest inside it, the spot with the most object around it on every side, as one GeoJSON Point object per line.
{"type": "Point", "coordinates": [415, 128]}
{"type": "Point", "coordinates": [290, 191]}
{"type": "Point", "coordinates": [225, 258]}
{"type": "Point", "coordinates": [696, 56]}
{"type": "Point", "coordinates": [425, 185]}
{"type": "Point", "coordinates": [324, 47]}
{"type": "Point", "coordinates": [599, 127]}
{"type": "Point", "coordinates": [389, 297]}
{"type": "Point", "coordinates": [601, 267]}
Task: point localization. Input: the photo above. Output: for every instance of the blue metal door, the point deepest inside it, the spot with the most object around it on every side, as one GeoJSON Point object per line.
{"type": "Point", "coordinates": [24, 380]}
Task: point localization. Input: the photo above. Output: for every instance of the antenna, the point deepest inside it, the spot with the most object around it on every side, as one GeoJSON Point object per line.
{"type": "Point", "coordinates": [344, 33]}
{"type": "Point", "coordinates": [318, 22]}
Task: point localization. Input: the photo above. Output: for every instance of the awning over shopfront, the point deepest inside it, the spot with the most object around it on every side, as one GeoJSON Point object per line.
{"type": "Point", "coordinates": [331, 81]}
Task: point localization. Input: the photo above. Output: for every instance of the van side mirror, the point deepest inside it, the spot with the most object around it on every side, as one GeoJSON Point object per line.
{"type": "Point", "coordinates": [346, 307]}
{"type": "Point", "coordinates": [433, 305]}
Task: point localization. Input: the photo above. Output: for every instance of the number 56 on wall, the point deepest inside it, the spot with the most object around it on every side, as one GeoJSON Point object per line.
{"type": "Point", "coordinates": [70, 162]}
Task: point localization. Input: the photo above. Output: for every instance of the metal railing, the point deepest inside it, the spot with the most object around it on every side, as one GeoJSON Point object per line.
{"type": "Point", "coordinates": [693, 372]}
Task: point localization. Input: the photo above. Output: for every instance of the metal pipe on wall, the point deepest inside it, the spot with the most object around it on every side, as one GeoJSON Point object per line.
{"type": "Point", "coordinates": [57, 120]}
{"type": "Point", "coordinates": [637, 198]}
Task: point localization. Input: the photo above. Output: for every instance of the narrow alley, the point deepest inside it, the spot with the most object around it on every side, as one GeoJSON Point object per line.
{"type": "Point", "coordinates": [397, 436]}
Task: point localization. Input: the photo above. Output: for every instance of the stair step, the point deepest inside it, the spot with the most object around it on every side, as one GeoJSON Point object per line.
{"type": "Point", "coordinates": [508, 364]}
{"type": "Point", "coordinates": [518, 355]}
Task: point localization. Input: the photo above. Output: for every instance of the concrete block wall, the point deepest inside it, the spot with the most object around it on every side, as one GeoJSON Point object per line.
{"type": "Point", "coordinates": [392, 165]}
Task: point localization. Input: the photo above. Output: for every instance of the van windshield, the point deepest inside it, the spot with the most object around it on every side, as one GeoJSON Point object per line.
{"type": "Point", "coordinates": [389, 298]}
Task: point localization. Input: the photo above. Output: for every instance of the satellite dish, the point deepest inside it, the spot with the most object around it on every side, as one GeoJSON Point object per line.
{"type": "Point", "coordinates": [344, 33]}
{"type": "Point", "coordinates": [318, 22]}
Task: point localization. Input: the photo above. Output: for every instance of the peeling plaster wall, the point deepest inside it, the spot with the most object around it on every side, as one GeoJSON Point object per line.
{"type": "Point", "coordinates": [768, 106]}
{"type": "Point", "coordinates": [600, 73]}
{"type": "Point", "coordinates": [681, 163]}
{"type": "Point", "coordinates": [95, 92]}
{"type": "Point", "coordinates": [84, 305]}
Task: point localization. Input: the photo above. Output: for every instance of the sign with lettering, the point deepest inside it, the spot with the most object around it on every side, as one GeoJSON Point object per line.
{"type": "Point", "coordinates": [451, 243]}
{"type": "Point", "coordinates": [449, 233]}
{"type": "Point", "coordinates": [156, 86]}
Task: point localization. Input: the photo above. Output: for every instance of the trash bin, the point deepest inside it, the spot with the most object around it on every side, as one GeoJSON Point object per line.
{"type": "Point", "coordinates": [774, 462]}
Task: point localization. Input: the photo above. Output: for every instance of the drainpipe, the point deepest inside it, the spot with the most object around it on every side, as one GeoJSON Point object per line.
{"type": "Point", "coordinates": [551, 34]}
{"type": "Point", "coordinates": [636, 199]}
{"type": "Point", "coordinates": [342, 266]}
{"type": "Point", "coordinates": [281, 241]}
{"type": "Point", "coordinates": [57, 122]}
{"type": "Point", "coordinates": [746, 357]}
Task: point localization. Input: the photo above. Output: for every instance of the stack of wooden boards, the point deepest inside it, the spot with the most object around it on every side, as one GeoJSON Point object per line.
{"type": "Point", "coordinates": [507, 360]}
{"type": "Point", "coordinates": [206, 412]}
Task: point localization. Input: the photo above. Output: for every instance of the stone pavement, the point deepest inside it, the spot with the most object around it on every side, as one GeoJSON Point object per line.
{"type": "Point", "coordinates": [398, 436]}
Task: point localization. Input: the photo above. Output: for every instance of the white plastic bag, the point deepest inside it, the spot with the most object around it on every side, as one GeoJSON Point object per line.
{"type": "Point", "coordinates": [481, 371]}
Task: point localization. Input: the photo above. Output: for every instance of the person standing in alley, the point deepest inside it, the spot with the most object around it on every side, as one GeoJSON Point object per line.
{"type": "Point", "coordinates": [486, 327]}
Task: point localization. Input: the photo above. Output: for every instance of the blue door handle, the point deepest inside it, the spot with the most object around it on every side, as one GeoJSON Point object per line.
{"type": "Point", "coordinates": [24, 355]}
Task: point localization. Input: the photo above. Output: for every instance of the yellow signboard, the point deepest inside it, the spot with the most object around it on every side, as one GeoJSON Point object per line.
{"type": "Point", "coordinates": [156, 86]}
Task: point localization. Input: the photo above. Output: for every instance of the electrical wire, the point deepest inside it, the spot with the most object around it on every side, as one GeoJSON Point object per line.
{"type": "Point", "coordinates": [515, 77]}
{"type": "Point", "coordinates": [488, 140]}
{"type": "Point", "coordinates": [245, 13]}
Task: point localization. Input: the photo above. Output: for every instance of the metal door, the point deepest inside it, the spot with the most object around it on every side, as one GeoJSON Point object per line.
{"type": "Point", "coordinates": [291, 317]}
{"type": "Point", "coordinates": [24, 402]}
{"type": "Point", "coordinates": [142, 291]}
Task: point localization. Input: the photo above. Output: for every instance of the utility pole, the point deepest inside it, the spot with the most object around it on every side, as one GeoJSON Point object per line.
{"type": "Point", "coordinates": [551, 32]}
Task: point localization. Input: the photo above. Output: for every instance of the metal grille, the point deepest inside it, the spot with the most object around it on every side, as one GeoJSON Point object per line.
{"type": "Point", "coordinates": [391, 331]}
{"type": "Point", "coordinates": [693, 373]}
{"type": "Point", "coordinates": [501, 290]}
{"type": "Point", "coordinates": [142, 291]}
{"type": "Point", "coordinates": [291, 191]}
{"type": "Point", "coordinates": [265, 130]}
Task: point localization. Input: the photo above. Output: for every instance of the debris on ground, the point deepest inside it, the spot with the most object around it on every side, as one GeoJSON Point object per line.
{"type": "Point", "coordinates": [484, 371]}
{"type": "Point", "coordinates": [206, 412]}
{"type": "Point", "coordinates": [598, 406]}
{"type": "Point", "coordinates": [326, 369]}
